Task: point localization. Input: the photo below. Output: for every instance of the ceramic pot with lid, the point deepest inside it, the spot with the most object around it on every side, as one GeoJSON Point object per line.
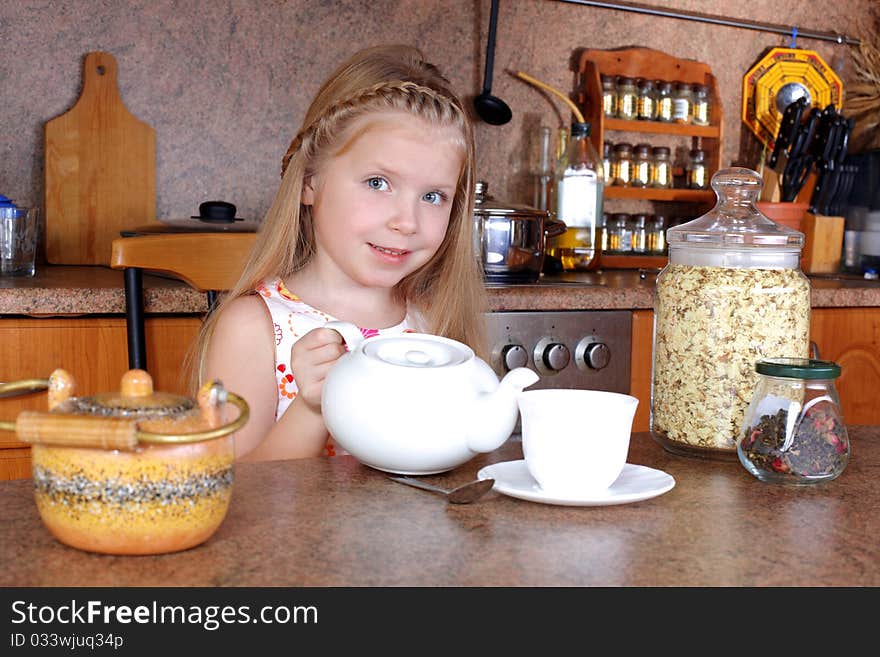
{"type": "Point", "coordinates": [416, 403]}
{"type": "Point", "coordinates": [510, 239]}
{"type": "Point", "coordinates": [133, 472]}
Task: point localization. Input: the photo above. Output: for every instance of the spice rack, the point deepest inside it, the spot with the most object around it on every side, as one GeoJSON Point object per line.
{"type": "Point", "coordinates": [653, 65]}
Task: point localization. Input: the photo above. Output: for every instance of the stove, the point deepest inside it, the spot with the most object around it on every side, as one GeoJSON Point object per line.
{"type": "Point", "coordinates": [588, 349]}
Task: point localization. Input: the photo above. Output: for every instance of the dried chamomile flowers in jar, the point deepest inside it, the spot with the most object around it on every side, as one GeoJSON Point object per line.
{"type": "Point", "coordinates": [732, 294]}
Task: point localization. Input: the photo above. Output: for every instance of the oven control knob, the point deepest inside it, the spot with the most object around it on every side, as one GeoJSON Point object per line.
{"type": "Point", "coordinates": [593, 355]}
{"type": "Point", "coordinates": [551, 356]}
{"type": "Point", "coordinates": [513, 356]}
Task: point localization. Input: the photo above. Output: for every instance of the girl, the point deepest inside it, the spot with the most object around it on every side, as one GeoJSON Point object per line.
{"type": "Point", "coordinates": [372, 224]}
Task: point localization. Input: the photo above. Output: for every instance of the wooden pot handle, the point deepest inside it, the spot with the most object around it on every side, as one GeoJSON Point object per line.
{"type": "Point", "coordinates": [76, 430]}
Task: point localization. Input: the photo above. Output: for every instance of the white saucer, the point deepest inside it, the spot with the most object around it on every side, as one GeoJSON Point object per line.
{"type": "Point", "coordinates": [635, 483]}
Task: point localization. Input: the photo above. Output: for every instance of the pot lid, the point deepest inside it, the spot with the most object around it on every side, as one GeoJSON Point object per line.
{"type": "Point", "coordinates": [135, 400]}
{"type": "Point", "coordinates": [417, 350]}
{"type": "Point", "coordinates": [484, 203]}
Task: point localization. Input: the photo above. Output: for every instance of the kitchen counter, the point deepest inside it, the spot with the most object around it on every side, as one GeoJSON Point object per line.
{"type": "Point", "coordinates": [334, 522]}
{"type": "Point", "coordinates": [77, 290]}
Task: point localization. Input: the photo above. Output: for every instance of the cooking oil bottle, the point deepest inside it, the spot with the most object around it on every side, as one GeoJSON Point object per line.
{"type": "Point", "coordinates": [579, 196]}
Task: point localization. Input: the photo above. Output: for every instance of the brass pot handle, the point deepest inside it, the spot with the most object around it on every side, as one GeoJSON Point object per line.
{"type": "Point", "coordinates": [199, 436]}
{"type": "Point", "coordinates": [16, 388]}
{"type": "Point", "coordinates": [106, 433]}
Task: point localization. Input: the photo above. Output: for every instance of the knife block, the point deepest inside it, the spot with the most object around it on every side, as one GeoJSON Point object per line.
{"type": "Point", "coordinates": [823, 243]}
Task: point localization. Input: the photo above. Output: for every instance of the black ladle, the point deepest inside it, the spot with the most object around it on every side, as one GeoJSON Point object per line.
{"type": "Point", "coordinates": [491, 109]}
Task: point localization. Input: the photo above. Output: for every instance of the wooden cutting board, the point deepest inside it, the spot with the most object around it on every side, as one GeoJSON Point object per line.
{"type": "Point", "coordinates": [100, 170]}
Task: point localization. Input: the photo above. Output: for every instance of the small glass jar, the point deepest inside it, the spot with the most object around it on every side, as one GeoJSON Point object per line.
{"type": "Point", "coordinates": [621, 165]}
{"type": "Point", "coordinates": [639, 225]}
{"type": "Point", "coordinates": [607, 148]}
{"type": "Point", "coordinates": [664, 101]}
{"type": "Point", "coordinates": [641, 169]}
{"type": "Point", "coordinates": [620, 234]}
{"type": "Point", "coordinates": [793, 431]}
{"type": "Point", "coordinates": [682, 103]}
{"type": "Point", "coordinates": [627, 98]}
{"type": "Point", "coordinates": [646, 102]}
{"type": "Point", "coordinates": [700, 111]}
{"type": "Point", "coordinates": [695, 170]}
{"type": "Point", "coordinates": [660, 173]}
{"type": "Point", "coordinates": [657, 235]}
{"type": "Point", "coordinates": [609, 96]}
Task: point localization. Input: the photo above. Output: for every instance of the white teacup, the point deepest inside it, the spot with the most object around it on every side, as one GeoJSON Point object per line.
{"type": "Point", "coordinates": [575, 442]}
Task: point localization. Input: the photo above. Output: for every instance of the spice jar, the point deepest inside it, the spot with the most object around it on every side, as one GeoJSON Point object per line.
{"type": "Point", "coordinates": [607, 147]}
{"type": "Point", "coordinates": [657, 235]}
{"type": "Point", "coordinates": [793, 432]}
{"type": "Point", "coordinates": [627, 98]}
{"type": "Point", "coordinates": [695, 170]}
{"type": "Point", "coordinates": [646, 102]}
{"type": "Point", "coordinates": [664, 101]}
{"type": "Point", "coordinates": [620, 234]}
{"type": "Point", "coordinates": [609, 96]}
{"type": "Point", "coordinates": [731, 294]}
{"type": "Point", "coordinates": [602, 232]}
{"type": "Point", "coordinates": [641, 169]}
{"type": "Point", "coordinates": [639, 233]}
{"type": "Point", "coordinates": [682, 103]}
{"type": "Point", "coordinates": [660, 173]}
{"type": "Point", "coordinates": [621, 164]}
{"type": "Point", "coordinates": [700, 111]}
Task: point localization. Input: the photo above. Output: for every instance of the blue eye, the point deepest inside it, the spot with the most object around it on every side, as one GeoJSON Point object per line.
{"type": "Point", "coordinates": [434, 198]}
{"type": "Point", "coordinates": [377, 183]}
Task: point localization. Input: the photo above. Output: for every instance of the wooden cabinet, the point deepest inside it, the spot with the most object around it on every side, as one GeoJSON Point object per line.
{"type": "Point", "coordinates": [848, 336]}
{"type": "Point", "coordinates": [94, 351]}
{"type": "Point", "coordinates": [851, 338]}
{"type": "Point", "coordinates": [652, 65]}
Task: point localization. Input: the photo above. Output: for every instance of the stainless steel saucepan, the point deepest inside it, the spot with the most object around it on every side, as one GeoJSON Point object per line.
{"type": "Point", "coordinates": [510, 239]}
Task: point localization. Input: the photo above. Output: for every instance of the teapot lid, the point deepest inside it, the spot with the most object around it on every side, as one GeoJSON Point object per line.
{"type": "Point", "coordinates": [419, 350]}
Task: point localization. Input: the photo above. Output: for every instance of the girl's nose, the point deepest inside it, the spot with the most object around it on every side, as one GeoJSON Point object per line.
{"type": "Point", "coordinates": [404, 220]}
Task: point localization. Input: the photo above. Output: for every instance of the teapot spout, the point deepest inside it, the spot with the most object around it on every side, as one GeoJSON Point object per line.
{"type": "Point", "coordinates": [494, 414]}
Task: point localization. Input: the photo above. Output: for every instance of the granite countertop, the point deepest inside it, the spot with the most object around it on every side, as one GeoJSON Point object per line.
{"type": "Point", "coordinates": [335, 522]}
{"type": "Point", "coordinates": [78, 290]}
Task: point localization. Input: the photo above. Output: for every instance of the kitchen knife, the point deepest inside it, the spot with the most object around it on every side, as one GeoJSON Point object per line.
{"type": "Point", "coordinates": [791, 119]}
{"type": "Point", "coordinates": [800, 160]}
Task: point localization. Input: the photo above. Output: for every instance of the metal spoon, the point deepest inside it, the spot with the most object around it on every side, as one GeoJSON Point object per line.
{"type": "Point", "coordinates": [490, 108]}
{"type": "Point", "coordinates": [464, 494]}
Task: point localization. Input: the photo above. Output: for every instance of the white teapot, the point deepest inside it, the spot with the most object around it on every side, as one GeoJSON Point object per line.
{"type": "Point", "coordinates": [415, 403]}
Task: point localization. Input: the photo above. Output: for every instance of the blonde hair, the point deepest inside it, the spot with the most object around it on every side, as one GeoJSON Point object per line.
{"type": "Point", "coordinates": [448, 290]}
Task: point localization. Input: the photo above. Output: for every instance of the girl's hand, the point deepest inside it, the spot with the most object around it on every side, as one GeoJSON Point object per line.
{"type": "Point", "coordinates": [311, 357]}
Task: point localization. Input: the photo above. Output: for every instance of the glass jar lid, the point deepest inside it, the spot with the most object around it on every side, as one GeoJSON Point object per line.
{"type": "Point", "coordinates": [798, 368]}
{"type": "Point", "coordinates": [735, 223]}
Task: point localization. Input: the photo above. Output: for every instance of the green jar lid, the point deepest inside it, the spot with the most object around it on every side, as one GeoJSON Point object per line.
{"type": "Point", "coordinates": [798, 368]}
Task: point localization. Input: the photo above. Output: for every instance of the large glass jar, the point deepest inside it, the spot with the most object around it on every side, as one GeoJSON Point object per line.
{"type": "Point", "coordinates": [732, 294]}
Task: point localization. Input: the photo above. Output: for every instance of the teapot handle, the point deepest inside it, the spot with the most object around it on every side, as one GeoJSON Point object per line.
{"type": "Point", "coordinates": [349, 332]}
